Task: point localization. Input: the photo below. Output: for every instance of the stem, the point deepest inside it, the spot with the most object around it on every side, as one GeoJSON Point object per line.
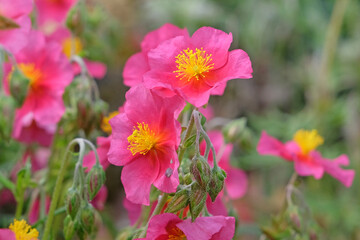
{"type": "Point", "coordinates": [187, 135]}
{"type": "Point", "coordinates": [290, 188]}
{"type": "Point", "coordinates": [157, 210]}
{"type": "Point", "coordinates": [7, 183]}
{"type": "Point", "coordinates": [19, 206]}
{"type": "Point", "coordinates": [42, 220]}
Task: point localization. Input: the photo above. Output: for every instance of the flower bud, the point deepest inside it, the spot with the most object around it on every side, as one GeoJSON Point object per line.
{"type": "Point", "coordinates": [94, 180]}
{"type": "Point", "coordinates": [73, 201]}
{"type": "Point", "coordinates": [19, 86]}
{"type": "Point", "coordinates": [233, 130]}
{"type": "Point", "coordinates": [87, 218]}
{"type": "Point", "coordinates": [216, 183]}
{"type": "Point", "coordinates": [69, 228]}
{"type": "Point", "coordinates": [187, 179]}
{"type": "Point", "coordinates": [197, 200]}
{"type": "Point", "coordinates": [178, 202]}
{"type": "Point", "coordinates": [200, 169]}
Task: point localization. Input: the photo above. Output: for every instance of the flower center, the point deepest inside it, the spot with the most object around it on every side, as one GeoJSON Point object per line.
{"type": "Point", "coordinates": [105, 125]}
{"type": "Point", "coordinates": [308, 140]}
{"type": "Point", "coordinates": [31, 72]}
{"type": "Point", "coordinates": [176, 234]}
{"type": "Point", "coordinates": [23, 231]}
{"type": "Point", "coordinates": [72, 46]}
{"type": "Point", "coordinates": [142, 139]}
{"type": "Point", "coordinates": [193, 64]}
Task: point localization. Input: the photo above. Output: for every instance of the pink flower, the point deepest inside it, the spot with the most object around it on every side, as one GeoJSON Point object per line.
{"type": "Point", "coordinates": [35, 209]}
{"type": "Point", "coordinates": [49, 72]}
{"type": "Point", "coordinates": [16, 11]}
{"type": "Point", "coordinates": [7, 234]}
{"type": "Point", "coordinates": [196, 67]}
{"type": "Point", "coordinates": [53, 11]}
{"type": "Point", "coordinates": [208, 112]}
{"type": "Point", "coordinates": [137, 64]}
{"type": "Point", "coordinates": [103, 144]}
{"type": "Point", "coordinates": [19, 230]}
{"type": "Point", "coordinates": [144, 140]}
{"type": "Point", "coordinates": [307, 161]}
{"type": "Point", "coordinates": [236, 182]}
{"type": "Point", "coordinates": [99, 201]}
{"type": "Point", "coordinates": [170, 226]}
{"type": "Point", "coordinates": [72, 45]}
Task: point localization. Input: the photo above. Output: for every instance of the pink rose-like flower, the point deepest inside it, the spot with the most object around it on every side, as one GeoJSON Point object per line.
{"type": "Point", "coordinates": [49, 72]}
{"type": "Point", "coordinates": [16, 11]}
{"type": "Point", "coordinates": [144, 140]}
{"type": "Point", "coordinates": [73, 46]}
{"type": "Point", "coordinates": [137, 64]}
{"type": "Point", "coordinates": [170, 226]}
{"type": "Point", "coordinates": [236, 182]}
{"type": "Point", "coordinates": [19, 230]}
{"type": "Point", "coordinates": [196, 67]}
{"type": "Point", "coordinates": [53, 11]}
{"type": "Point", "coordinates": [307, 161]}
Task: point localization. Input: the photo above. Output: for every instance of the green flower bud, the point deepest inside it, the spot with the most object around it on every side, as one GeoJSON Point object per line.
{"type": "Point", "coordinates": [216, 184]}
{"type": "Point", "coordinates": [73, 201]}
{"type": "Point", "coordinates": [200, 169]}
{"type": "Point", "coordinates": [234, 129]}
{"type": "Point", "coordinates": [69, 228]}
{"type": "Point", "coordinates": [87, 217]}
{"type": "Point", "coordinates": [19, 86]}
{"type": "Point", "coordinates": [178, 202]}
{"type": "Point", "coordinates": [187, 179]}
{"type": "Point", "coordinates": [94, 180]}
{"type": "Point", "coordinates": [197, 200]}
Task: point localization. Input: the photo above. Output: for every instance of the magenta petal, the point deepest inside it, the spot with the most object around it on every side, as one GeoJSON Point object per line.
{"type": "Point", "coordinates": [133, 210]}
{"type": "Point", "coordinates": [137, 177]}
{"type": "Point", "coordinates": [103, 144]}
{"type": "Point", "coordinates": [158, 224]}
{"type": "Point", "coordinates": [333, 167]}
{"type": "Point", "coordinates": [269, 145]}
{"type": "Point", "coordinates": [236, 183]}
{"type": "Point", "coordinates": [308, 168]}
{"type": "Point", "coordinates": [135, 67]}
{"type": "Point", "coordinates": [207, 228]}
{"type": "Point", "coordinates": [215, 42]}
{"type": "Point", "coordinates": [216, 208]}
{"type": "Point", "coordinates": [7, 234]}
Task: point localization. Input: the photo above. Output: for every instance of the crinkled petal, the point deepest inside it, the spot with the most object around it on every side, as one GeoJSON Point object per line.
{"type": "Point", "coordinates": [333, 167]}
{"type": "Point", "coordinates": [158, 224]}
{"type": "Point", "coordinates": [269, 145]}
{"type": "Point", "coordinates": [309, 168]}
{"type": "Point", "coordinates": [135, 67]}
{"type": "Point", "coordinates": [216, 208]}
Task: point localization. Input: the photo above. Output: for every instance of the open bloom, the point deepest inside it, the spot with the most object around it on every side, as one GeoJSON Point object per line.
{"type": "Point", "coordinates": [170, 226]}
{"type": "Point", "coordinates": [196, 67]}
{"type": "Point", "coordinates": [49, 72]}
{"type": "Point", "coordinates": [137, 64]}
{"type": "Point", "coordinates": [236, 182]}
{"type": "Point", "coordinates": [307, 161]}
{"type": "Point", "coordinates": [53, 11]}
{"type": "Point", "coordinates": [19, 230]}
{"type": "Point", "coordinates": [144, 140]}
{"type": "Point", "coordinates": [15, 24]}
{"type": "Point", "coordinates": [72, 45]}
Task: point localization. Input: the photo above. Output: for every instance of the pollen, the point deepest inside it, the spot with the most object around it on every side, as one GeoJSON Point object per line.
{"type": "Point", "coordinates": [308, 140]}
{"type": "Point", "coordinates": [105, 125]}
{"type": "Point", "coordinates": [23, 231]}
{"type": "Point", "coordinates": [31, 72]}
{"type": "Point", "coordinates": [193, 64]}
{"type": "Point", "coordinates": [72, 46]}
{"type": "Point", "coordinates": [142, 140]}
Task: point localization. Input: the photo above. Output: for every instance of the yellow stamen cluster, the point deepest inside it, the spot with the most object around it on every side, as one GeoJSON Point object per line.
{"type": "Point", "coordinates": [193, 64]}
{"type": "Point", "coordinates": [31, 72]}
{"type": "Point", "coordinates": [72, 46]}
{"type": "Point", "coordinates": [23, 231]}
{"type": "Point", "coordinates": [142, 140]}
{"type": "Point", "coordinates": [308, 140]}
{"type": "Point", "coordinates": [105, 125]}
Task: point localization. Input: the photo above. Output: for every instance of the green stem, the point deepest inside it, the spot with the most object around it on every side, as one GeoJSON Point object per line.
{"type": "Point", "coordinates": [19, 206]}
{"type": "Point", "coordinates": [42, 220]}
{"type": "Point", "coordinates": [187, 135]}
{"type": "Point", "coordinates": [7, 183]}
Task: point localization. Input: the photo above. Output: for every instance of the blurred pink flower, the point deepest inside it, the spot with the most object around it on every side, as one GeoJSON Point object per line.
{"type": "Point", "coordinates": [137, 64]}
{"type": "Point", "coordinates": [73, 46]}
{"type": "Point", "coordinates": [103, 146]}
{"type": "Point", "coordinates": [99, 201]}
{"type": "Point", "coordinates": [49, 72]}
{"type": "Point", "coordinates": [17, 11]}
{"type": "Point", "coordinates": [144, 140]}
{"type": "Point", "coordinates": [307, 161]}
{"type": "Point", "coordinates": [34, 212]}
{"type": "Point", "coordinates": [196, 67]}
{"type": "Point", "coordinates": [170, 226]}
{"type": "Point", "coordinates": [236, 182]}
{"type": "Point", "coordinates": [53, 11]}
{"type": "Point", "coordinates": [7, 234]}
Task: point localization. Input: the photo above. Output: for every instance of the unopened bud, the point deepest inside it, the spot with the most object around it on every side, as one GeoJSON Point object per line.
{"type": "Point", "coordinates": [69, 228]}
{"type": "Point", "coordinates": [178, 202]}
{"type": "Point", "coordinates": [294, 217]}
{"type": "Point", "coordinates": [233, 130]}
{"type": "Point", "coordinates": [187, 179]}
{"type": "Point", "coordinates": [87, 218]}
{"type": "Point", "coordinates": [197, 200]}
{"type": "Point", "coordinates": [313, 235]}
{"type": "Point", "coordinates": [73, 201]}
{"type": "Point", "coordinates": [216, 184]}
{"type": "Point", "coordinates": [94, 180]}
{"type": "Point", "coordinates": [19, 86]}
{"type": "Point", "coordinates": [200, 169]}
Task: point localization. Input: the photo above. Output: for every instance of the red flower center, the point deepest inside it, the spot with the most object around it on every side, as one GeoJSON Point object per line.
{"type": "Point", "coordinates": [193, 64]}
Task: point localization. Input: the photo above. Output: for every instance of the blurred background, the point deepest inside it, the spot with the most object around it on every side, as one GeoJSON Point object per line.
{"type": "Point", "coordinates": [306, 61]}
